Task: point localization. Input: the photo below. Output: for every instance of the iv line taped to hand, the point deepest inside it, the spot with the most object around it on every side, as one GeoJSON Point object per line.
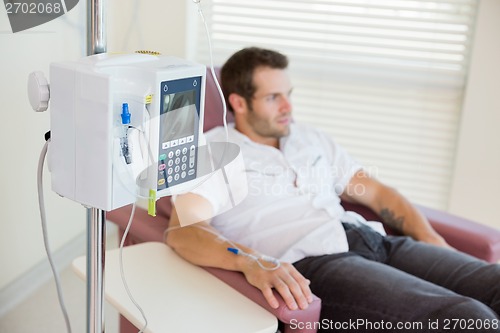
{"type": "Point", "coordinates": [233, 248]}
{"type": "Point", "coordinates": [262, 257]}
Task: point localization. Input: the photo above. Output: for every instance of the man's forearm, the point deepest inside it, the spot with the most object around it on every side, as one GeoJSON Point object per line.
{"type": "Point", "coordinates": [398, 213]}
{"type": "Point", "coordinates": [393, 208]}
{"type": "Point", "coordinates": [201, 247]}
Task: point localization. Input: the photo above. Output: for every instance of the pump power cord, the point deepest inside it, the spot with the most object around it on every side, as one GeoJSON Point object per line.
{"type": "Point", "coordinates": [43, 218]}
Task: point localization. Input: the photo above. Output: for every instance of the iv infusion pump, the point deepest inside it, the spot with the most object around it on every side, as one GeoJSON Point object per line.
{"type": "Point", "coordinates": [123, 125]}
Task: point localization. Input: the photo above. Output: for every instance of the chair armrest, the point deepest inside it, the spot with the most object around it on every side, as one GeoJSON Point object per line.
{"type": "Point", "coordinates": [147, 228]}
{"type": "Point", "coordinates": [238, 281]}
{"type": "Point", "coordinates": [476, 239]}
{"type": "Point", "coordinates": [465, 235]}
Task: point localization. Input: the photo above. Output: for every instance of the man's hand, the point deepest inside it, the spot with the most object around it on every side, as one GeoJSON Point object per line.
{"type": "Point", "coordinates": [288, 282]}
{"type": "Point", "coordinates": [435, 239]}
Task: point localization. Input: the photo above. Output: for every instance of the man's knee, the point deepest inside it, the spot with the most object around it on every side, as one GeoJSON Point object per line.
{"type": "Point", "coordinates": [464, 311]}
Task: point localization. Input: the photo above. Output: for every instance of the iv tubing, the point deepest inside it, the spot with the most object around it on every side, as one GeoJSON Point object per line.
{"type": "Point", "coordinates": [219, 89]}
{"type": "Point", "coordinates": [122, 273]}
{"type": "Point", "coordinates": [41, 203]}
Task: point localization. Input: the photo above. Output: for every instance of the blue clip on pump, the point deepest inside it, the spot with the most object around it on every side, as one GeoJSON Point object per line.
{"type": "Point", "coordinates": [124, 144]}
{"type": "Point", "coordinates": [125, 114]}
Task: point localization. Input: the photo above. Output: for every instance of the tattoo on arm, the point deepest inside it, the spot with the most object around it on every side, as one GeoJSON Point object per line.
{"type": "Point", "coordinates": [393, 221]}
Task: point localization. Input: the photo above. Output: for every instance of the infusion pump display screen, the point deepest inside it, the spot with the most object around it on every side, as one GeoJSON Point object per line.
{"type": "Point", "coordinates": [179, 123]}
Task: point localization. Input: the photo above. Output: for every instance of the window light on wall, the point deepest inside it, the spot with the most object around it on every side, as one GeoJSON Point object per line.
{"type": "Point", "coordinates": [385, 78]}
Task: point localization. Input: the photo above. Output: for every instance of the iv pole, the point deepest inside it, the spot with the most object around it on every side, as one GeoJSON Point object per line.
{"type": "Point", "coordinates": [96, 218]}
{"type": "Point", "coordinates": [96, 27]}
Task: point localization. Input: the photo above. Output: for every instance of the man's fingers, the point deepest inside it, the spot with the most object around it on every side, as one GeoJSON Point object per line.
{"type": "Point", "coordinates": [287, 281]}
{"type": "Point", "coordinates": [304, 285]}
{"type": "Point", "coordinates": [284, 290]}
{"type": "Point", "coordinates": [299, 289]}
{"type": "Point", "coordinates": [269, 296]}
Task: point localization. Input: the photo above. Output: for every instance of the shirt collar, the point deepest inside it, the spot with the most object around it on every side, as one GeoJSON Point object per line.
{"type": "Point", "coordinates": [239, 138]}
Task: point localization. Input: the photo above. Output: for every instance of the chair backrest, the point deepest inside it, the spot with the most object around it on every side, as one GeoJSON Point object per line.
{"type": "Point", "coordinates": [213, 117]}
{"type": "Point", "coordinates": [213, 103]}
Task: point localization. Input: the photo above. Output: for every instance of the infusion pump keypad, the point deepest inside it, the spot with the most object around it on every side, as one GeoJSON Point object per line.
{"type": "Point", "coordinates": [177, 163]}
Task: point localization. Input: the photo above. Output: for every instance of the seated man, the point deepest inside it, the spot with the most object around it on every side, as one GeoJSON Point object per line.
{"type": "Point", "coordinates": [296, 178]}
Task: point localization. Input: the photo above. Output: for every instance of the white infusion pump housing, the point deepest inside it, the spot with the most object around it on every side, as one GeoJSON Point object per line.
{"type": "Point", "coordinates": [102, 159]}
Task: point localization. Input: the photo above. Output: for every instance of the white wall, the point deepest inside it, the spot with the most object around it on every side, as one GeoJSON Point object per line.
{"type": "Point", "coordinates": [147, 24]}
{"type": "Point", "coordinates": [22, 138]}
{"type": "Point", "coordinates": [152, 25]}
{"type": "Point", "coordinates": [476, 181]}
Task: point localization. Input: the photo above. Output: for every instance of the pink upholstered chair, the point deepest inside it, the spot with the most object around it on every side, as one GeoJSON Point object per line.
{"type": "Point", "coordinates": [473, 238]}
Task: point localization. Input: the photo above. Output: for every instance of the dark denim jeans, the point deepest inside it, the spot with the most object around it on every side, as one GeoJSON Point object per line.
{"type": "Point", "coordinates": [396, 284]}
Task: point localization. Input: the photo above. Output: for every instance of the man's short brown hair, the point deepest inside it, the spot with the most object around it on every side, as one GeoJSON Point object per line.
{"type": "Point", "coordinates": [237, 72]}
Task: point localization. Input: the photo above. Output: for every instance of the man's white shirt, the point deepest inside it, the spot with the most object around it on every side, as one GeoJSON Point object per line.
{"type": "Point", "coordinates": [292, 209]}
